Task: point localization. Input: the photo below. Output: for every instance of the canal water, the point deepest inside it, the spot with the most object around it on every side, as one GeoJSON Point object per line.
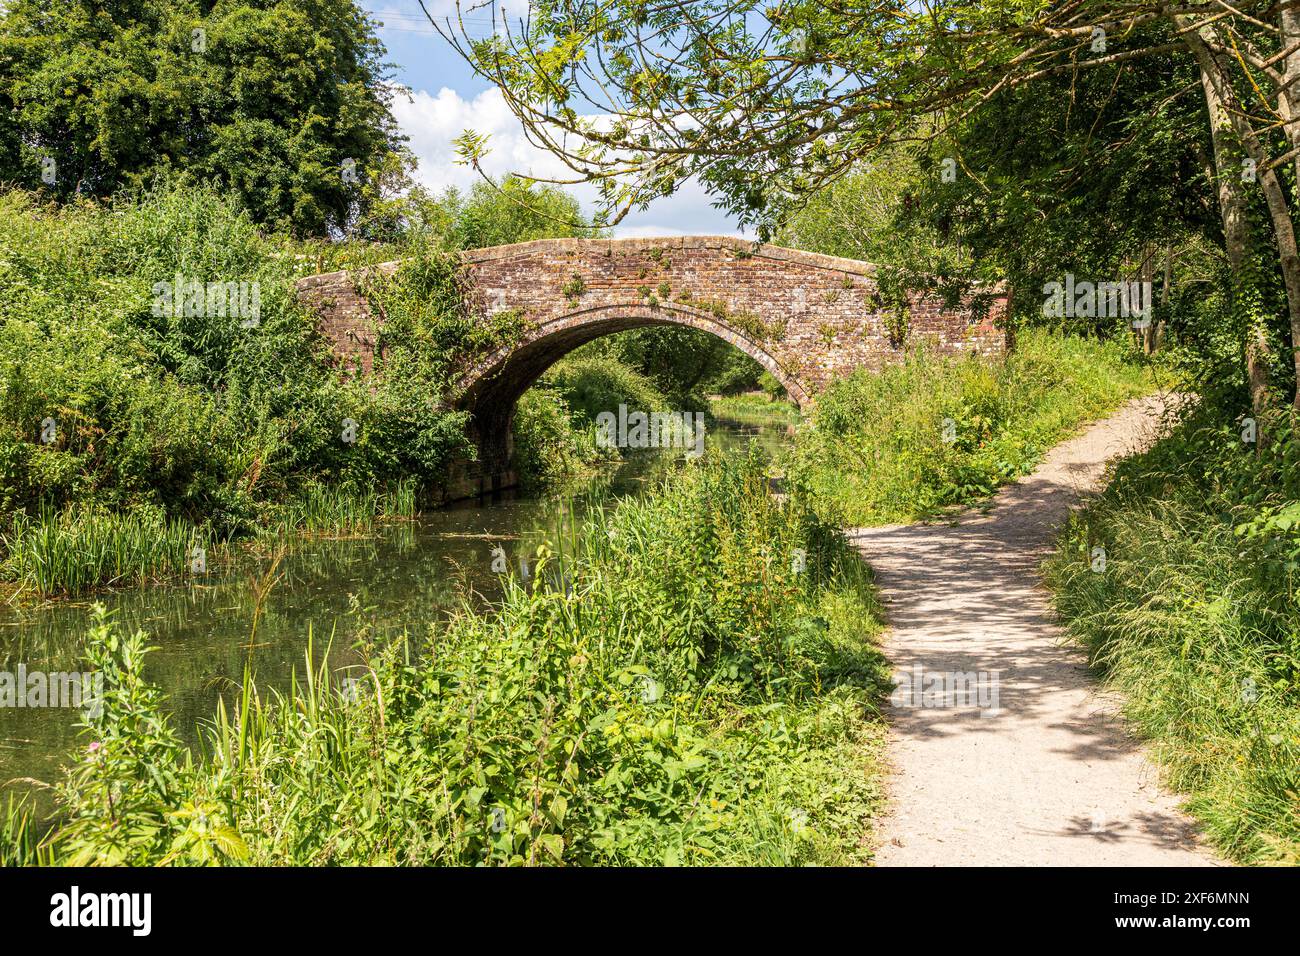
{"type": "Point", "coordinates": [263, 608]}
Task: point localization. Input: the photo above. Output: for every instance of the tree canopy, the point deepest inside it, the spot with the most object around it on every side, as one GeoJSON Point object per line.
{"type": "Point", "coordinates": [285, 102]}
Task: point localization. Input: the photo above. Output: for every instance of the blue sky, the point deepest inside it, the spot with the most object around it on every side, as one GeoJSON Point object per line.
{"type": "Point", "coordinates": [446, 98]}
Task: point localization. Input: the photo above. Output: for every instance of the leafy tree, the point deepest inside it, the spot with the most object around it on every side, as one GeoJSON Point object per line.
{"type": "Point", "coordinates": [874, 214]}
{"type": "Point", "coordinates": [286, 102]}
{"type": "Point", "coordinates": [514, 210]}
{"type": "Point", "coordinates": [1104, 175]}
{"type": "Point", "coordinates": [683, 363]}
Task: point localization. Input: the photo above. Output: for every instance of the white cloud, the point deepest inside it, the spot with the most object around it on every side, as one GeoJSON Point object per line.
{"type": "Point", "coordinates": [433, 122]}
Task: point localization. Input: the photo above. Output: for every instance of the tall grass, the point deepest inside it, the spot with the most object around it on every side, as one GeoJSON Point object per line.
{"type": "Point", "coordinates": [69, 552]}
{"type": "Point", "coordinates": [343, 508]}
{"type": "Point", "coordinates": [1196, 618]}
{"type": "Point", "coordinates": [933, 432]}
{"type": "Point", "coordinates": [19, 841]}
{"type": "Point", "coordinates": [668, 685]}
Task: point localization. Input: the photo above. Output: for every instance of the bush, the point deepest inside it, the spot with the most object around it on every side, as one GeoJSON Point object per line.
{"type": "Point", "coordinates": [549, 447]}
{"type": "Point", "coordinates": [591, 384]}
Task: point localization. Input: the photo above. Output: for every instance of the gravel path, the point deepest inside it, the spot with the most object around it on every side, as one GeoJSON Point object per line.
{"type": "Point", "coordinates": [1044, 774]}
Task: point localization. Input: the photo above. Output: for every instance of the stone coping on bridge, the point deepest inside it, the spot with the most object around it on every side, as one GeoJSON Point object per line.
{"type": "Point", "coordinates": [742, 248]}
{"type": "Point", "coordinates": [328, 279]}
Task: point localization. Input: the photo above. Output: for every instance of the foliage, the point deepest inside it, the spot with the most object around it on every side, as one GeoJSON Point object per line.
{"type": "Point", "coordinates": [513, 210]}
{"type": "Point", "coordinates": [194, 413]}
{"type": "Point", "coordinates": [671, 686]}
{"type": "Point", "coordinates": [768, 105]}
{"type": "Point", "coordinates": [736, 372]}
{"type": "Point", "coordinates": [195, 417]}
{"type": "Point", "coordinates": [553, 443]}
{"type": "Point", "coordinates": [591, 383]}
{"type": "Point", "coordinates": [933, 432]}
{"type": "Point", "coordinates": [183, 412]}
{"type": "Point", "coordinates": [270, 101]}
{"type": "Point", "coordinates": [682, 364]}
{"type": "Point", "coordinates": [1195, 616]}
{"type": "Point", "coordinates": [868, 215]}
{"type": "Point", "coordinates": [123, 799]}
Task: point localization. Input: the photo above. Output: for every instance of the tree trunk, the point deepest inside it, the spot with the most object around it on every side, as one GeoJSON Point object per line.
{"type": "Point", "coordinates": [1148, 278]}
{"type": "Point", "coordinates": [1009, 322]}
{"type": "Point", "coordinates": [1288, 99]}
{"type": "Point", "coordinates": [1165, 288]}
{"type": "Point", "coordinates": [1225, 118]}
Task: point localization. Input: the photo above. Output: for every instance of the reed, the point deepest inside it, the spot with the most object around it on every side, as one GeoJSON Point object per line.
{"type": "Point", "coordinates": [19, 839]}
{"type": "Point", "coordinates": [754, 408]}
{"type": "Point", "coordinates": [343, 508]}
{"type": "Point", "coordinates": [71, 552]}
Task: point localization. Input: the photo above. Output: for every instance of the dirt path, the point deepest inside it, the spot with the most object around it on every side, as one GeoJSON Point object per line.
{"type": "Point", "coordinates": [1050, 777]}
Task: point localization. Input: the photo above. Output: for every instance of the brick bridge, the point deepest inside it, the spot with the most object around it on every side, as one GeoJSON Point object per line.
{"type": "Point", "coordinates": [806, 318]}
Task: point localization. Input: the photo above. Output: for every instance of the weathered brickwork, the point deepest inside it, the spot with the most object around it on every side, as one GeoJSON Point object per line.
{"type": "Point", "coordinates": [807, 318]}
{"type": "Point", "coordinates": [345, 317]}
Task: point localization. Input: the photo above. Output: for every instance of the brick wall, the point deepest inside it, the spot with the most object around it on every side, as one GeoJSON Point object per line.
{"type": "Point", "coordinates": [823, 313]}
{"type": "Point", "coordinates": [807, 317]}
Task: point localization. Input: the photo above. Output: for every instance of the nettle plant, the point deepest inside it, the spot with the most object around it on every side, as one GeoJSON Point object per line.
{"type": "Point", "coordinates": [134, 798]}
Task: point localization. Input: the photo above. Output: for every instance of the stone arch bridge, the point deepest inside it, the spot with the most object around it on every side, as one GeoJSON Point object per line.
{"type": "Point", "coordinates": [806, 318]}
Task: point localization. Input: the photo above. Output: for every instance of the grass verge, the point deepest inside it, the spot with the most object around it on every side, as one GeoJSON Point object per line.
{"type": "Point", "coordinates": [1194, 616]}
{"type": "Point", "coordinates": [934, 432]}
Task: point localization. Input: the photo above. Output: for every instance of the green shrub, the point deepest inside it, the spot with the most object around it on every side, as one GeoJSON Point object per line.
{"type": "Point", "coordinates": [591, 384]}
{"type": "Point", "coordinates": [550, 447]}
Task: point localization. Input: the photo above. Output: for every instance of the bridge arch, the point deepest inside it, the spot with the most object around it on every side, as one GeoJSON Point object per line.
{"type": "Point", "coordinates": [490, 390]}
